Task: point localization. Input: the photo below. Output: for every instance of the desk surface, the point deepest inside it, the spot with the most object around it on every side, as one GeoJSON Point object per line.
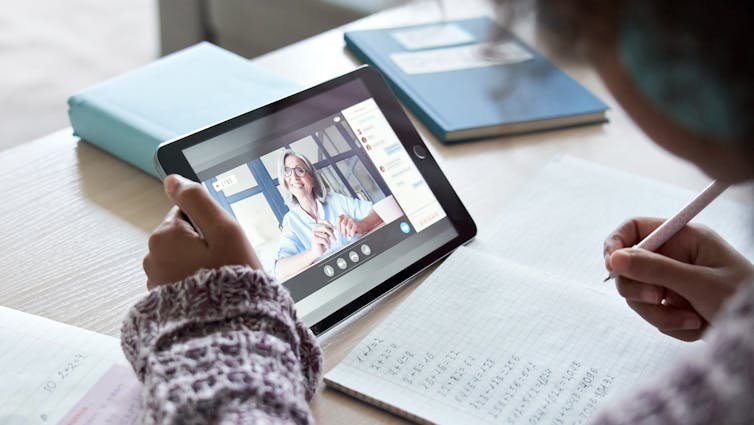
{"type": "Point", "coordinates": [74, 221]}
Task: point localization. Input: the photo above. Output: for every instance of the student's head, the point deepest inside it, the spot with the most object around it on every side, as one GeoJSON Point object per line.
{"type": "Point", "coordinates": [298, 178]}
{"type": "Point", "coordinates": [683, 70]}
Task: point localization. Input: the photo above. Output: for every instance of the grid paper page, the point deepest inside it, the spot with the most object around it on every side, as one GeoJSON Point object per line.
{"type": "Point", "coordinates": [484, 340]}
{"type": "Point", "coordinates": [560, 219]}
{"type": "Point", "coordinates": [55, 373]}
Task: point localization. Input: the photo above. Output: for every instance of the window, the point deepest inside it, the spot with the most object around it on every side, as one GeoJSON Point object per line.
{"type": "Point", "coordinates": [360, 180]}
{"type": "Point", "coordinates": [334, 142]}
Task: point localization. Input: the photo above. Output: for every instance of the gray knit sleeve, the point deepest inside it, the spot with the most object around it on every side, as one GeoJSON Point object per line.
{"type": "Point", "coordinates": [714, 385]}
{"type": "Point", "coordinates": [222, 346]}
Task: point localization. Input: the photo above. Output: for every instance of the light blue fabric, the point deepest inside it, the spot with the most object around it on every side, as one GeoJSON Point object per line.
{"type": "Point", "coordinates": [297, 224]}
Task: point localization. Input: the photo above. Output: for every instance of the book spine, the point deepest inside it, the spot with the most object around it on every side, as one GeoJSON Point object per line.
{"type": "Point", "coordinates": [401, 88]}
{"type": "Point", "coordinates": [113, 133]}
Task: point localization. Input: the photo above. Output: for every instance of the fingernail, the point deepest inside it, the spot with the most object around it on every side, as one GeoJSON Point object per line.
{"type": "Point", "coordinates": [691, 323]}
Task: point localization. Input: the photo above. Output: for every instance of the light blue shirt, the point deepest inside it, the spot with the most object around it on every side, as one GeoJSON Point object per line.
{"type": "Point", "coordinates": [297, 225]}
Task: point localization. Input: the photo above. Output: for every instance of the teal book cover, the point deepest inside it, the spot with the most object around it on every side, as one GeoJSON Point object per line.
{"type": "Point", "coordinates": [470, 79]}
{"type": "Point", "coordinates": [131, 114]}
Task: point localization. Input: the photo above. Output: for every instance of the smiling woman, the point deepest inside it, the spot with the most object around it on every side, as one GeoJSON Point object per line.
{"type": "Point", "coordinates": [319, 221]}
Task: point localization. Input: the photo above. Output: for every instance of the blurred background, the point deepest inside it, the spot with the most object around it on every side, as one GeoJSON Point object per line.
{"type": "Point", "coordinates": [51, 49]}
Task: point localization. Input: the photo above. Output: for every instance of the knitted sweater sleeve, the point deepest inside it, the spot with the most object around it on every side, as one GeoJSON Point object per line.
{"type": "Point", "coordinates": [222, 346]}
{"type": "Point", "coordinates": [713, 386]}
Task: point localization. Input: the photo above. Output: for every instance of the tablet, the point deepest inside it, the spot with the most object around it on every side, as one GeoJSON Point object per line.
{"type": "Point", "coordinates": [335, 190]}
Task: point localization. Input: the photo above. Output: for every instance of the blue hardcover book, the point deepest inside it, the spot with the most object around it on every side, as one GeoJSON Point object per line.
{"type": "Point", "coordinates": [131, 114]}
{"type": "Point", "coordinates": [469, 79]}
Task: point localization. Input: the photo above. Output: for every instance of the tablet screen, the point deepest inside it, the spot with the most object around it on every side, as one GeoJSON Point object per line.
{"type": "Point", "coordinates": [328, 196]}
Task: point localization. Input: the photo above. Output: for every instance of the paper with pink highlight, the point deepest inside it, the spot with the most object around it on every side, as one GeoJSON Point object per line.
{"type": "Point", "coordinates": [114, 400]}
{"type": "Point", "coordinates": [53, 373]}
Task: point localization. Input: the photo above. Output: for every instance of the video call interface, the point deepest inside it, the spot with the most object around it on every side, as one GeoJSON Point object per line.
{"type": "Point", "coordinates": [322, 199]}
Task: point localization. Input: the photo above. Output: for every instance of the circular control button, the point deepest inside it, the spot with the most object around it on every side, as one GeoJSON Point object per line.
{"type": "Point", "coordinates": [342, 264]}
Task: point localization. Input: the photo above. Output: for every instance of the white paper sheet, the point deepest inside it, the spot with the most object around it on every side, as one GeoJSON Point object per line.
{"type": "Point", "coordinates": [460, 57]}
{"type": "Point", "coordinates": [55, 373]}
{"type": "Point", "coordinates": [485, 340]}
{"type": "Point", "coordinates": [560, 219]}
{"type": "Point", "coordinates": [432, 36]}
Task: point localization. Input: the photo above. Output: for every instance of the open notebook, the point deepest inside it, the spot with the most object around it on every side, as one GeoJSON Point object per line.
{"type": "Point", "coordinates": [53, 373]}
{"type": "Point", "coordinates": [519, 328]}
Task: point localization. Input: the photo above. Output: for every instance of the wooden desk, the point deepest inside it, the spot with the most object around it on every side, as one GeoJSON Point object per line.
{"type": "Point", "coordinates": [74, 221]}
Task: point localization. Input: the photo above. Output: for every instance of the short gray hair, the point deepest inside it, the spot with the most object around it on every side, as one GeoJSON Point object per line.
{"type": "Point", "coordinates": [319, 190]}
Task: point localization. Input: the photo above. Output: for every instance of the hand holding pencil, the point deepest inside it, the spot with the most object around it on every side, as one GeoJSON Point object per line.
{"type": "Point", "coordinates": [680, 287]}
{"type": "Point", "coordinates": [672, 225]}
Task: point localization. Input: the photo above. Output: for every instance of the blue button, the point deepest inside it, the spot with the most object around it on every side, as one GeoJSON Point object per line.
{"type": "Point", "coordinates": [405, 228]}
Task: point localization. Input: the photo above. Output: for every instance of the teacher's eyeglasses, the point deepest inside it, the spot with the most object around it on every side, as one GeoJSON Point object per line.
{"type": "Point", "coordinates": [298, 170]}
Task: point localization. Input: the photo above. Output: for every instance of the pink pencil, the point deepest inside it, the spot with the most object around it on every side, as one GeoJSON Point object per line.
{"type": "Point", "coordinates": [672, 225]}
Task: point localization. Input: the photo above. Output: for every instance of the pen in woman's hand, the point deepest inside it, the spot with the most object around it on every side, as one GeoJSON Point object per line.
{"type": "Point", "coordinates": [672, 225]}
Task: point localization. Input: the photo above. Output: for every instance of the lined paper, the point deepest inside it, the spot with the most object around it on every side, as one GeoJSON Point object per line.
{"type": "Point", "coordinates": [55, 373]}
{"type": "Point", "coordinates": [485, 340]}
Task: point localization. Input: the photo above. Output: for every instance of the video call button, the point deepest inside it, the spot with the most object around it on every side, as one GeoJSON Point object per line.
{"type": "Point", "coordinates": [353, 256]}
{"type": "Point", "coordinates": [405, 228]}
{"type": "Point", "coordinates": [329, 271]}
{"type": "Point", "coordinates": [365, 249]}
{"type": "Point", "coordinates": [342, 264]}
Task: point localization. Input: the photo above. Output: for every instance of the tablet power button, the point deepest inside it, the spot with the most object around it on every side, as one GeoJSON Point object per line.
{"type": "Point", "coordinates": [420, 151]}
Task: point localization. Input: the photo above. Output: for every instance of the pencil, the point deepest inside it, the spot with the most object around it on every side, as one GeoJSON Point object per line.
{"type": "Point", "coordinates": [675, 223]}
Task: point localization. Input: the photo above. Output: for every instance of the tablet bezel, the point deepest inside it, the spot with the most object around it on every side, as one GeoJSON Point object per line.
{"type": "Point", "coordinates": [169, 159]}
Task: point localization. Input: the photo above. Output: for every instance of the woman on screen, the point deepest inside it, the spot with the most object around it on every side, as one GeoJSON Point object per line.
{"type": "Point", "coordinates": [319, 221]}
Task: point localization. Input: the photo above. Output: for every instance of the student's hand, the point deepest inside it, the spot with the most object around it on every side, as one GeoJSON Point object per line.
{"type": "Point", "coordinates": [177, 251]}
{"type": "Point", "coordinates": [347, 225]}
{"type": "Point", "coordinates": [322, 235]}
{"type": "Point", "coordinates": [680, 288]}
